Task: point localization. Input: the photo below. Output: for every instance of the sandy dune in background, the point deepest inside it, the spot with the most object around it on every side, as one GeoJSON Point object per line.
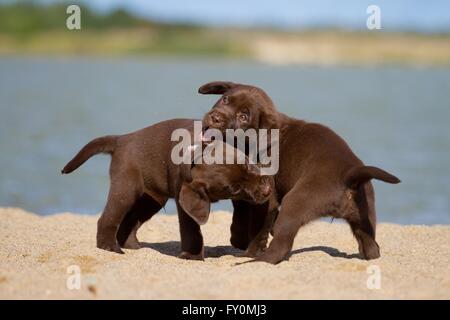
{"type": "Point", "coordinates": [36, 251]}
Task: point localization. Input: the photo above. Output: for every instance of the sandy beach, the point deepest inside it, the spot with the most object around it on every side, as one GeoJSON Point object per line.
{"type": "Point", "coordinates": [36, 252]}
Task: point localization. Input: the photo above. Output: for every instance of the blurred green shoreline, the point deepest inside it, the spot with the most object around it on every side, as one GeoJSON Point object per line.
{"type": "Point", "coordinates": [29, 29]}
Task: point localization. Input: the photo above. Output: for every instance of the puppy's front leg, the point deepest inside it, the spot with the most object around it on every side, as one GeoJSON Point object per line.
{"type": "Point", "coordinates": [295, 212]}
{"type": "Point", "coordinates": [240, 225]}
{"type": "Point", "coordinates": [191, 236]}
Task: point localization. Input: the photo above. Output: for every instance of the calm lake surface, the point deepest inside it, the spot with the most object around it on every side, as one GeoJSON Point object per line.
{"type": "Point", "coordinates": [394, 118]}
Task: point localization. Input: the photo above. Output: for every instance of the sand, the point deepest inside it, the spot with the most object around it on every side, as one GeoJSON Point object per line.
{"type": "Point", "coordinates": [35, 253]}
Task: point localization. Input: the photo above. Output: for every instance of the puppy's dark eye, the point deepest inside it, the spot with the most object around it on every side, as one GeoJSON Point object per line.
{"type": "Point", "coordinates": [225, 100]}
{"type": "Point", "coordinates": [243, 117]}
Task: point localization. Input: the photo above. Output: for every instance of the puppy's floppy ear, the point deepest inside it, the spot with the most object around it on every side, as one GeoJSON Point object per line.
{"type": "Point", "coordinates": [195, 202]}
{"type": "Point", "coordinates": [216, 87]}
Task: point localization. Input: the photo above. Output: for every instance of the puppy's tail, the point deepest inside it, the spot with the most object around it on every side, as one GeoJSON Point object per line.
{"type": "Point", "coordinates": [359, 175]}
{"type": "Point", "coordinates": [106, 144]}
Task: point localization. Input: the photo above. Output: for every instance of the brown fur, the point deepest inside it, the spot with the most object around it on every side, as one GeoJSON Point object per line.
{"type": "Point", "coordinates": [143, 178]}
{"type": "Point", "coordinates": [319, 175]}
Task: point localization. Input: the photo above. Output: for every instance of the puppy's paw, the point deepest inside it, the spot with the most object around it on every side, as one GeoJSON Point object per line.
{"type": "Point", "coordinates": [189, 256]}
{"type": "Point", "coordinates": [133, 245]}
{"type": "Point", "coordinates": [253, 252]}
{"type": "Point", "coordinates": [370, 253]}
{"type": "Point", "coordinates": [256, 248]}
{"type": "Point", "coordinates": [110, 247]}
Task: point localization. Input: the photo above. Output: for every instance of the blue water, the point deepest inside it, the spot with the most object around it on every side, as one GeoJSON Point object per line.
{"type": "Point", "coordinates": [394, 118]}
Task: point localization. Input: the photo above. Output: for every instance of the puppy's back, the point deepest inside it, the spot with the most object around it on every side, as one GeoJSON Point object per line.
{"type": "Point", "coordinates": [149, 150]}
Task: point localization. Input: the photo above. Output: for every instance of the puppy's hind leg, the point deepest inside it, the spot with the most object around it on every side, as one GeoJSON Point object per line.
{"type": "Point", "coordinates": [363, 223]}
{"type": "Point", "coordinates": [144, 208]}
{"type": "Point", "coordinates": [123, 194]}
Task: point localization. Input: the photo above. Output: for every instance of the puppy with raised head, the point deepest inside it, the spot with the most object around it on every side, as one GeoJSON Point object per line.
{"type": "Point", "coordinates": [318, 175]}
{"type": "Point", "coordinates": [143, 178]}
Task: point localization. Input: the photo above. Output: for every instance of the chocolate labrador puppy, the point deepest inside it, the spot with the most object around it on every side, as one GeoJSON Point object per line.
{"type": "Point", "coordinates": [143, 177]}
{"type": "Point", "coordinates": [318, 175]}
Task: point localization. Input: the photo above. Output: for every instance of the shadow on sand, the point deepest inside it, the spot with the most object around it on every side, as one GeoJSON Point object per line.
{"type": "Point", "coordinates": [172, 248]}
